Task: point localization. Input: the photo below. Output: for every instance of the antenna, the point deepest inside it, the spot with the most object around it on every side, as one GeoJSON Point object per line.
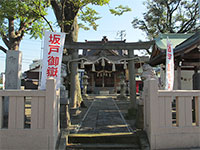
{"type": "Point", "coordinates": [121, 35]}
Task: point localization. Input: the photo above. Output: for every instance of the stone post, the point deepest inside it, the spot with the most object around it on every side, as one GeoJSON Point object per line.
{"type": "Point", "coordinates": [64, 101]}
{"type": "Point", "coordinates": [12, 73]}
{"type": "Point", "coordinates": [132, 83]}
{"type": "Point", "coordinates": [63, 91]}
{"type": "Point", "coordinates": [151, 110]}
{"type": "Point", "coordinates": [52, 122]}
{"type": "Point", "coordinates": [13, 69]}
{"type": "Point", "coordinates": [148, 73]}
{"type": "Point", "coordinates": [73, 74]}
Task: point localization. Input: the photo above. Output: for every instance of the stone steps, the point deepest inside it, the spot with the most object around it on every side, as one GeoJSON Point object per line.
{"type": "Point", "coordinates": [103, 141]}
{"type": "Point", "coordinates": [102, 146]}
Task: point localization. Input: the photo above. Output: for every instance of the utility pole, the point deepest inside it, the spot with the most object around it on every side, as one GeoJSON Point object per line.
{"type": "Point", "coordinates": [121, 34]}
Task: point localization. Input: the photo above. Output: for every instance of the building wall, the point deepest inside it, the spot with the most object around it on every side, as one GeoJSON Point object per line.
{"type": "Point", "coordinates": [186, 80]}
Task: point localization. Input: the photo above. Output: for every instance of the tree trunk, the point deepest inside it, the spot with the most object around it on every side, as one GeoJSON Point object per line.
{"type": "Point", "coordinates": [14, 45]}
{"type": "Point", "coordinates": [75, 90]}
{"type": "Point", "coordinates": [66, 15]}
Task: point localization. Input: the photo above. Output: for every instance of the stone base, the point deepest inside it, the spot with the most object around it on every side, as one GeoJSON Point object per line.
{"type": "Point", "coordinates": [64, 116]}
{"type": "Point", "coordinates": [140, 117]}
{"type": "Point", "coordinates": [104, 92]}
{"type": "Point", "coordinates": [74, 112]}
{"type": "Point", "coordinates": [64, 96]}
{"type": "Point", "coordinates": [85, 97]}
{"type": "Point", "coordinates": [122, 97]}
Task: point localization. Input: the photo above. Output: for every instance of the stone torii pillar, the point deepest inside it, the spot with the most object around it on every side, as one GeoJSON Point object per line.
{"type": "Point", "coordinates": [132, 83]}
{"type": "Point", "coordinates": [73, 74]}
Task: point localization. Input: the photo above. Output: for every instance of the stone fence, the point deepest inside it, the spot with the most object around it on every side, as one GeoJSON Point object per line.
{"type": "Point", "coordinates": [171, 118]}
{"type": "Point", "coordinates": [43, 130]}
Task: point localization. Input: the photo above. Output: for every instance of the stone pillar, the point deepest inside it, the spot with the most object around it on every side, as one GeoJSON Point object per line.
{"type": "Point", "coordinates": [132, 83]}
{"type": "Point", "coordinates": [64, 101]}
{"type": "Point", "coordinates": [73, 74]}
{"type": "Point", "coordinates": [147, 74]}
{"type": "Point", "coordinates": [12, 73]}
{"type": "Point", "coordinates": [13, 69]}
{"type": "Point", "coordinates": [63, 91]}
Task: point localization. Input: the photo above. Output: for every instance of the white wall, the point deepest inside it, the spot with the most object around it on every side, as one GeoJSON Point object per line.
{"type": "Point", "coordinates": [186, 81]}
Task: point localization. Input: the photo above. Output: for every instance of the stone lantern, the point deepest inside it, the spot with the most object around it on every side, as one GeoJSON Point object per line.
{"type": "Point", "coordinates": [122, 95]}
{"type": "Point", "coordinates": [85, 84]}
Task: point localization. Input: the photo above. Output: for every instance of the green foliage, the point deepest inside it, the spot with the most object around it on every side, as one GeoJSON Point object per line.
{"type": "Point", "coordinates": [119, 10]}
{"type": "Point", "coordinates": [27, 15]}
{"type": "Point", "coordinates": [168, 16]}
{"type": "Point", "coordinates": [67, 10]}
{"type": "Point", "coordinates": [88, 16]}
{"type": "Point", "coordinates": [93, 2]}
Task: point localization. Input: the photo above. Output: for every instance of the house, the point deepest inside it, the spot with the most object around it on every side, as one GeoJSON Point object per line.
{"type": "Point", "coordinates": [32, 76]}
{"type": "Point", "coordinates": [186, 58]}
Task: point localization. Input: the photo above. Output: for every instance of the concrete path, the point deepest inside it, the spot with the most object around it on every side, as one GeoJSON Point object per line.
{"type": "Point", "coordinates": [103, 116]}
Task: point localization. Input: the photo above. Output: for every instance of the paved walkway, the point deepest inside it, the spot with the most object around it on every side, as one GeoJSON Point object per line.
{"type": "Point", "coordinates": [103, 116]}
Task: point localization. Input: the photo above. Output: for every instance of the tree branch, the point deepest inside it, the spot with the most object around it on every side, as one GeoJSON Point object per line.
{"type": "Point", "coordinates": [159, 27]}
{"type": "Point", "coordinates": [5, 39]}
{"type": "Point", "coordinates": [3, 49]}
{"type": "Point", "coordinates": [63, 15]}
{"type": "Point", "coordinates": [45, 19]}
{"type": "Point", "coordinates": [47, 22]}
{"type": "Point", "coordinates": [11, 28]}
{"type": "Point", "coordinates": [148, 51]}
{"type": "Point", "coordinates": [187, 24]}
{"type": "Point", "coordinates": [57, 9]}
{"type": "Point", "coordinates": [22, 28]}
{"type": "Point", "coordinates": [176, 6]}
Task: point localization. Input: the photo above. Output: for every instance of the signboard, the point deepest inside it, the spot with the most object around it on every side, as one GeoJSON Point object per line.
{"type": "Point", "coordinates": [52, 57]}
{"type": "Point", "coordinates": [169, 67]}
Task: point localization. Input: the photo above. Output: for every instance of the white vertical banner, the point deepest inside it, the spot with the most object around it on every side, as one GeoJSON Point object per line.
{"type": "Point", "coordinates": [52, 57]}
{"type": "Point", "coordinates": [169, 82]}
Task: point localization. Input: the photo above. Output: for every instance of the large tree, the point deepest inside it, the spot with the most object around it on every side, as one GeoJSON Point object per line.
{"type": "Point", "coordinates": [67, 12]}
{"type": "Point", "coordinates": [169, 16]}
{"type": "Point", "coordinates": [18, 18]}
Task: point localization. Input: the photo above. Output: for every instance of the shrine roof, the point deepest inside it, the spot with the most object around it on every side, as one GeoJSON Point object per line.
{"type": "Point", "coordinates": [90, 52]}
{"type": "Point", "coordinates": [175, 39]}
{"type": "Point", "coordinates": [189, 45]}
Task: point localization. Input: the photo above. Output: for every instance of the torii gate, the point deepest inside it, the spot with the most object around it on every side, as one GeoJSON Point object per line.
{"type": "Point", "coordinates": [131, 47]}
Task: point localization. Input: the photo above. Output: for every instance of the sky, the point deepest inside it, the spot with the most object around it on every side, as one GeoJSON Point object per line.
{"type": "Point", "coordinates": [109, 25]}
